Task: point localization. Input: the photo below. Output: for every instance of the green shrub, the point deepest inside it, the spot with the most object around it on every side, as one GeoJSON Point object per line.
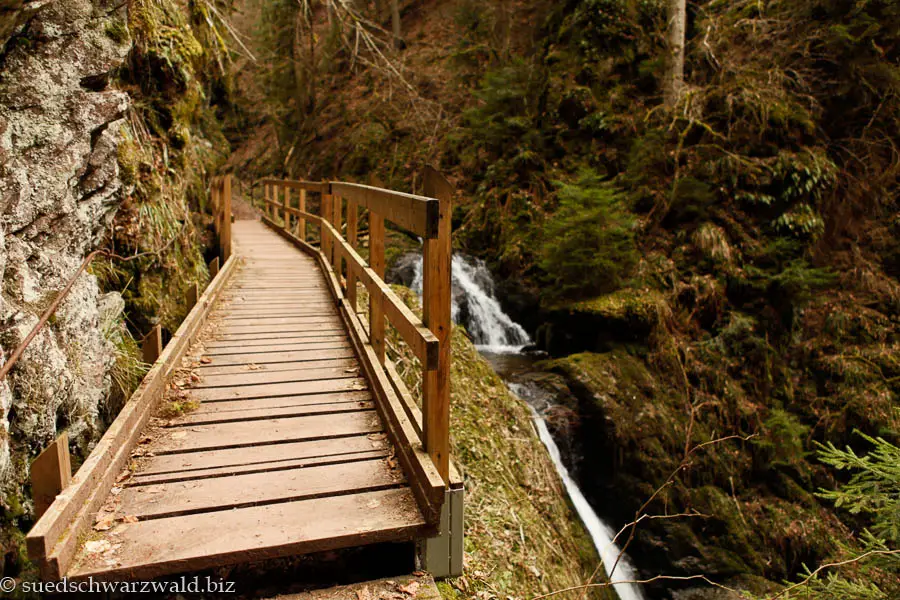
{"type": "Point", "coordinates": [588, 245]}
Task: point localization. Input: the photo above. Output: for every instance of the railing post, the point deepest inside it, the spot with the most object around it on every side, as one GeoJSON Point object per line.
{"type": "Point", "coordinates": [225, 234]}
{"type": "Point", "coordinates": [376, 301]}
{"type": "Point", "coordinates": [287, 205]}
{"type": "Point", "coordinates": [266, 206]}
{"type": "Point", "coordinates": [352, 235]}
{"type": "Point", "coordinates": [301, 222]}
{"type": "Point", "coordinates": [51, 473]}
{"type": "Point", "coordinates": [336, 221]}
{"type": "Point", "coordinates": [436, 301]}
{"type": "Point", "coordinates": [275, 190]}
{"type": "Point", "coordinates": [151, 345]}
{"type": "Point", "coordinates": [325, 236]}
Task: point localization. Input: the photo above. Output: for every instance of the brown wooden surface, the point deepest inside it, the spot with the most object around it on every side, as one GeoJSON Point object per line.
{"type": "Point", "coordinates": [282, 450]}
{"type": "Point", "coordinates": [51, 472]}
{"type": "Point", "coordinates": [54, 539]}
{"type": "Point", "coordinates": [151, 345]}
{"type": "Point", "coordinates": [436, 313]}
{"type": "Point", "coordinates": [177, 544]}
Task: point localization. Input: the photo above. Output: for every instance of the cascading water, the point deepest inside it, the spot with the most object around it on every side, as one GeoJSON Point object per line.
{"type": "Point", "coordinates": [617, 568]}
{"type": "Point", "coordinates": [474, 304]}
{"type": "Point", "coordinates": [476, 308]}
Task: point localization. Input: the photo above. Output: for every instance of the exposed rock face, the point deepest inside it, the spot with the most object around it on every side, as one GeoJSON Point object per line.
{"type": "Point", "coordinates": [59, 188]}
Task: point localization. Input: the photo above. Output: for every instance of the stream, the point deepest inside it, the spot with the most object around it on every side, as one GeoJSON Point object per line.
{"type": "Point", "coordinates": [502, 341]}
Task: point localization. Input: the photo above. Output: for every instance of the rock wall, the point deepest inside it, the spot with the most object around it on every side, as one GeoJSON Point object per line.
{"type": "Point", "coordinates": [60, 126]}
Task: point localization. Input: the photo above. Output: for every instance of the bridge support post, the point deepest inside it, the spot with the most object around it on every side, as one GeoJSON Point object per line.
{"type": "Point", "coordinates": [442, 556]}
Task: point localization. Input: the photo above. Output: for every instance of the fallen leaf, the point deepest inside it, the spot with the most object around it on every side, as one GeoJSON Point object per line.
{"type": "Point", "coordinates": [206, 360]}
{"type": "Point", "coordinates": [97, 546]}
{"type": "Point", "coordinates": [129, 519]}
{"type": "Point", "coordinates": [105, 523]}
{"type": "Point", "coordinates": [123, 476]}
{"type": "Point", "coordinates": [377, 436]}
{"type": "Point", "coordinates": [195, 377]}
{"type": "Point", "coordinates": [115, 491]}
{"type": "Point", "coordinates": [411, 589]}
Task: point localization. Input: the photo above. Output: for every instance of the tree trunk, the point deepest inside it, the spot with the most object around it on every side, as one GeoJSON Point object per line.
{"type": "Point", "coordinates": [676, 38]}
{"type": "Point", "coordinates": [395, 23]}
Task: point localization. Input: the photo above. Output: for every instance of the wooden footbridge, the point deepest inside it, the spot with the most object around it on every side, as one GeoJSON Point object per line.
{"type": "Point", "coordinates": [299, 435]}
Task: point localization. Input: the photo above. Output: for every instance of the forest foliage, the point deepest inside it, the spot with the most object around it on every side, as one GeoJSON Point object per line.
{"type": "Point", "coordinates": [756, 219]}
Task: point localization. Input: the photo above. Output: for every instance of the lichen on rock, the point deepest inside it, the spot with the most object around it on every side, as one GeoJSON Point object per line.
{"type": "Point", "coordinates": [60, 124]}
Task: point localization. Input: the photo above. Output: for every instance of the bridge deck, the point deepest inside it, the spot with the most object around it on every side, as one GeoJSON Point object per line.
{"type": "Point", "coordinates": [284, 453]}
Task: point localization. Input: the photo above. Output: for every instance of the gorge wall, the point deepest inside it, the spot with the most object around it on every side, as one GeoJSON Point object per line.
{"type": "Point", "coordinates": [97, 150]}
{"type": "Point", "coordinates": [60, 126]}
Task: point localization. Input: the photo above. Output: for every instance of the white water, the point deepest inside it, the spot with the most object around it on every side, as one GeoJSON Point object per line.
{"type": "Point", "coordinates": [601, 534]}
{"type": "Point", "coordinates": [474, 304]}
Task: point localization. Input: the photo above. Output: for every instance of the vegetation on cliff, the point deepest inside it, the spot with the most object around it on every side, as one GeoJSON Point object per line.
{"type": "Point", "coordinates": [743, 282]}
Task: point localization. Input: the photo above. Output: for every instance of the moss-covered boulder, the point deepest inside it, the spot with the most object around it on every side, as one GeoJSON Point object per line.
{"type": "Point", "coordinates": [626, 316]}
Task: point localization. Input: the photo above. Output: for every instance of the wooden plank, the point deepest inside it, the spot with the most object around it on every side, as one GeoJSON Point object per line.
{"type": "Point", "coordinates": [302, 216]}
{"type": "Point", "coordinates": [269, 390]}
{"type": "Point", "coordinates": [226, 329]}
{"type": "Point", "coordinates": [436, 310]}
{"type": "Point", "coordinates": [151, 345]}
{"type": "Point", "coordinates": [281, 357]}
{"type": "Point", "coordinates": [279, 464]}
{"type": "Point", "coordinates": [277, 402]}
{"type": "Point", "coordinates": [352, 241]}
{"type": "Point", "coordinates": [278, 335]}
{"type": "Point", "coordinates": [345, 363]}
{"type": "Point", "coordinates": [318, 187]}
{"type": "Point", "coordinates": [415, 213]}
{"type": "Point", "coordinates": [262, 376]}
{"type": "Point", "coordinates": [280, 412]}
{"type": "Point", "coordinates": [312, 336]}
{"type": "Point", "coordinates": [310, 345]}
{"type": "Point", "coordinates": [51, 473]}
{"type": "Point", "coordinates": [376, 243]}
{"type": "Point", "coordinates": [273, 431]}
{"type": "Point", "coordinates": [154, 501]}
{"type": "Point", "coordinates": [376, 324]}
{"type": "Point", "coordinates": [53, 539]}
{"type": "Point", "coordinates": [225, 235]}
{"type": "Point", "coordinates": [327, 241]}
{"type": "Point", "coordinates": [195, 542]}
{"type": "Point", "coordinates": [192, 294]}
{"type": "Point", "coordinates": [187, 462]}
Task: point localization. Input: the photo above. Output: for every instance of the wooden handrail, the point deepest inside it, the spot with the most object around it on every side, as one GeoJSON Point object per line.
{"type": "Point", "coordinates": [428, 338]}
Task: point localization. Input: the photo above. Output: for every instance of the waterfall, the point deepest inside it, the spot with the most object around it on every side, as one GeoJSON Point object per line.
{"type": "Point", "coordinates": [474, 304]}
{"type": "Point", "coordinates": [601, 533]}
{"type": "Point", "coordinates": [476, 307]}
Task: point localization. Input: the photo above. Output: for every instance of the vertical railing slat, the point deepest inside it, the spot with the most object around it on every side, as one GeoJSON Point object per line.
{"type": "Point", "coordinates": [225, 235]}
{"type": "Point", "coordinates": [376, 300]}
{"type": "Point", "coordinates": [301, 222]}
{"type": "Point", "coordinates": [352, 235]}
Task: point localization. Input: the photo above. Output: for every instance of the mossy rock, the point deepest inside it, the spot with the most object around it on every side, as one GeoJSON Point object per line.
{"type": "Point", "coordinates": [628, 316]}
